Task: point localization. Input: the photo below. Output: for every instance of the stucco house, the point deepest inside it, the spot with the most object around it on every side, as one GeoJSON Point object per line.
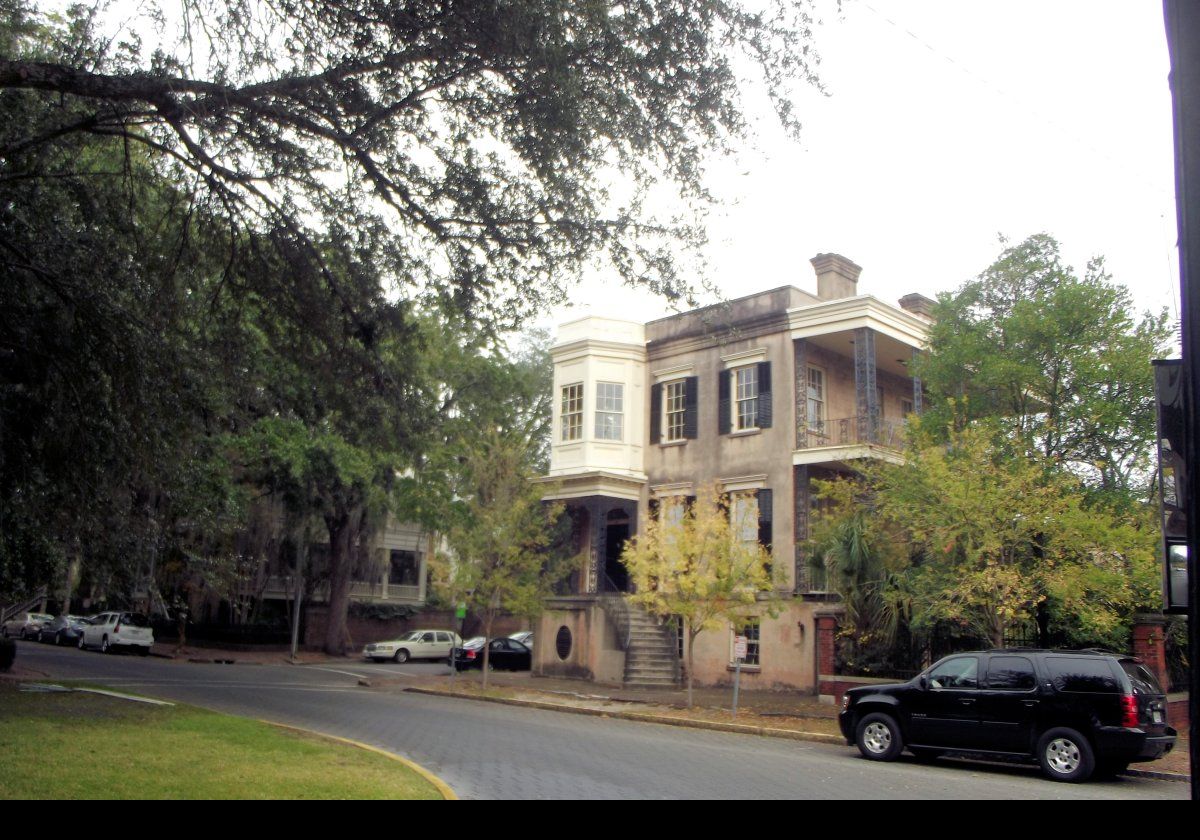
{"type": "Point", "coordinates": [762, 395]}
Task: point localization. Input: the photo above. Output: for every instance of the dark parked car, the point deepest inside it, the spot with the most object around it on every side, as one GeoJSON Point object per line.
{"type": "Point", "coordinates": [65, 629]}
{"type": "Point", "coordinates": [503, 655]}
{"type": "Point", "coordinates": [1075, 712]}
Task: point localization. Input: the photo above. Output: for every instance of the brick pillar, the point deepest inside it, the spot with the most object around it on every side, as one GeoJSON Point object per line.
{"type": "Point", "coordinates": [827, 626]}
{"type": "Point", "coordinates": [1149, 645]}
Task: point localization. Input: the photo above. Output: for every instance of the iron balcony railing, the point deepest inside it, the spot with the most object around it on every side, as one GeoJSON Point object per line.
{"type": "Point", "coordinates": [850, 431]}
{"type": "Point", "coordinates": [284, 587]}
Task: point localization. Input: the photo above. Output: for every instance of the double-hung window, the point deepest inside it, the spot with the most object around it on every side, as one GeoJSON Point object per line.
{"type": "Point", "coordinates": [674, 410]}
{"type": "Point", "coordinates": [572, 411]}
{"type": "Point", "coordinates": [745, 403]}
{"type": "Point", "coordinates": [744, 396]}
{"type": "Point", "coordinates": [816, 401]}
{"type": "Point", "coordinates": [610, 411]}
{"type": "Point", "coordinates": [743, 510]}
{"type": "Point", "coordinates": [750, 629]}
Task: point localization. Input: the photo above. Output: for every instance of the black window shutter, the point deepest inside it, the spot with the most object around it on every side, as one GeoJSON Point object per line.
{"type": "Point", "coordinates": [653, 508]}
{"type": "Point", "coordinates": [691, 414]}
{"type": "Point", "coordinates": [765, 519]}
{"type": "Point", "coordinates": [766, 405]}
{"type": "Point", "coordinates": [724, 406]}
{"type": "Point", "coordinates": [656, 410]}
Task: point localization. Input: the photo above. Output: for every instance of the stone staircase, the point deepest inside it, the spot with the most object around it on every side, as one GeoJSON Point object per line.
{"type": "Point", "coordinates": [651, 658]}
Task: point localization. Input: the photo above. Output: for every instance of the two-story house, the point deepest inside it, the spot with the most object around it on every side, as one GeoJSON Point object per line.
{"type": "Point", "coordinates": [761, 395]}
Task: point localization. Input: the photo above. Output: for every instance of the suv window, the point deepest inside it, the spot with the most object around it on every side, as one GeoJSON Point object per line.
{"type": "Point", "coordinates": [134, 620]}
{"type": "Point", "coordinates": [959, 672]}
{"type": "Point", "coordinates": [1144, 682]}
{"type": "Point", "coordinates": [1011, 673]}
{"type": "Point", "coordinates": [1075, 673]}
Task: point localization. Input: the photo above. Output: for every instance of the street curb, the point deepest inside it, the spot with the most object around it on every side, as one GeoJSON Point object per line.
{"type": "Point", "coordinates": [1160, 775]}
{"type": "Point", "coordinates": [642, 717]}
{"type": "Point", "coordinates": [444, 789]}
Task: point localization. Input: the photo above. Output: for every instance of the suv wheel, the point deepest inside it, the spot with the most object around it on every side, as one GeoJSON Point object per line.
{"type": "Point", "coordinates": [104, 645]}
{"type": "Point", "coordinates": [401, 656]}
{"type": "Point", "coordinates": [878, 737]}
{"type": "Point", "coordinates": [81, 644]}
{"type": "Point", "coordinates": [1065, 755]}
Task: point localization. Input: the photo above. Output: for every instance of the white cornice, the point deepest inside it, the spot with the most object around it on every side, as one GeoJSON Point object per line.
{"type": "Point", "coordinates": [593, 483]}
{"type": "Point", "coordinates": [846, 314]}
{"type": "Point", "coordinates": [599, 347]}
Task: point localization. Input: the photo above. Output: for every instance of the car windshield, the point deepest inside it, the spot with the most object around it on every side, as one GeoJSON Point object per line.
{"type": "Point", "coordinates": [475, 642]}
{"type": "Point", "coordinates": [413, 636]}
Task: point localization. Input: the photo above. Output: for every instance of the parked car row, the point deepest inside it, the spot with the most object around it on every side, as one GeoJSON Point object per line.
{"type": "Point", "coordinates": [511, 653]}
{"type": "Point", "coordinates": [106, 631]}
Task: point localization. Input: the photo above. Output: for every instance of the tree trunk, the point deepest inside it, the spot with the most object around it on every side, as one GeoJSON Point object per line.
{"type": "Point", "coordinates": [489, 617]}
{"type": "Point", "coordinates": [691, 661]}
{"type": "Point", "coordinates": [343, 533]}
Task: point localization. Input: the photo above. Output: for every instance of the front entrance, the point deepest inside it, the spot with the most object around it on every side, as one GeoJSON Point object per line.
{"type": "Point", "coordinates": [616, 532]}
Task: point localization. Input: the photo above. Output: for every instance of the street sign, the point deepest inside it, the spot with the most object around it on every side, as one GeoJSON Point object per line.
{"type": "Point", "coordinates": [740, 645]}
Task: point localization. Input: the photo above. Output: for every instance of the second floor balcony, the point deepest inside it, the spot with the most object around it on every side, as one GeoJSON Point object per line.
{"type": "Point", "coordinates": [848, 438]}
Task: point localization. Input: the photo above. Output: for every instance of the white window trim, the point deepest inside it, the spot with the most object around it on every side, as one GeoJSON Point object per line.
{"type": "Point", "coordinates": [664, 414]}
{"type": "Point", "coordinates": [745, 358]}
{"type": "Point", "coordinates": [563, 414]}
{"type": "Point", "coordinates": [734, 428]}
{"type": "Point", "coordinates": [597, 412]}
{"type": "Point", "coordinates": [824, 419]}
{"type": "Point", "coordinates": [733, 631]}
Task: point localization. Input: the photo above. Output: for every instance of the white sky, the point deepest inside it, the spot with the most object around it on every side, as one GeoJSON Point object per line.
{"type": "Point", "coordinates": [948, 123]}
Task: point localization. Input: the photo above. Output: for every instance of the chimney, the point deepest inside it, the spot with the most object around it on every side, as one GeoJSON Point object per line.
{"type": "Point", "coordinates": [837, 277]}
{"type": "Point", "coordinates": [918, 305]}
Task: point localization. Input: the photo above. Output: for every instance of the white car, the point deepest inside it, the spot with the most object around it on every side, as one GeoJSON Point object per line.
{"type": "Point", "coordinates": [25, 625]}
{"type": "Point", "coordinates": [111, 630]}
{"type": "Point", "coordinates": [418, 644]}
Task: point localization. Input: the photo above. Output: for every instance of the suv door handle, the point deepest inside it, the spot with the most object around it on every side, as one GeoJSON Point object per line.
{"type": "Point", "coordinates": [967, 701]}
{"type": "Point", "coordinates": [1029, 704]}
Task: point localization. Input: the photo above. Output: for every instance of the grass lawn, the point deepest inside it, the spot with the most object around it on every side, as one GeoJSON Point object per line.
{"type": "Point", "coordinates": [87, 746]}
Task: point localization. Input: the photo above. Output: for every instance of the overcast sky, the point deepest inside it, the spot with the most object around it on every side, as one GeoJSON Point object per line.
{"type": "Point", "coordinates": [947, 124]}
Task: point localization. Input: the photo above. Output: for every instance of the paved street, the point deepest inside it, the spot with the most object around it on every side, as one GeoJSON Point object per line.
{"type": "Point", "coordinates": [485, 750]}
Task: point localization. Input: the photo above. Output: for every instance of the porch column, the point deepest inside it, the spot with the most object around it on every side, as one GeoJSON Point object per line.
{"type": "Point", "coordinates": [800, 506]}
{"type": "Point", "coordinates": [865, 390]}
{"type": "Point", "coordinates": [916, 384]}
{"type": "Point", "coordinates": [800, 358]}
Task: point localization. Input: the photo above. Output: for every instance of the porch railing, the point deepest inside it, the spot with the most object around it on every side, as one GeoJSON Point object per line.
{"type": "Point", "coordinates": [850, 431]}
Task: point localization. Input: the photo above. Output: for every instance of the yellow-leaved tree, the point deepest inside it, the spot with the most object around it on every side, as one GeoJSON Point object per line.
{"type": "Point", "coordinates": [697, 561]}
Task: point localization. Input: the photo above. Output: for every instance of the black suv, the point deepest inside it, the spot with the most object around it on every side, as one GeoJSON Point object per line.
{"type": "Point", "coordinates": [1076, 712]}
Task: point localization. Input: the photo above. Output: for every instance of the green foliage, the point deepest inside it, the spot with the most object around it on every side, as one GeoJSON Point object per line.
{"type": "Point", "coordinates": [692, 562]}
{"type": "Point", "coordinates": [1058, 359]}
{"type": "Point", "coordinates": [995, 534]}
{"type": "Point", "coordinates": [860, 556]}
{"type": "Point", "coordinates": [502, 536]}
{"type": "Point", "coordinates": [477, 140]}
